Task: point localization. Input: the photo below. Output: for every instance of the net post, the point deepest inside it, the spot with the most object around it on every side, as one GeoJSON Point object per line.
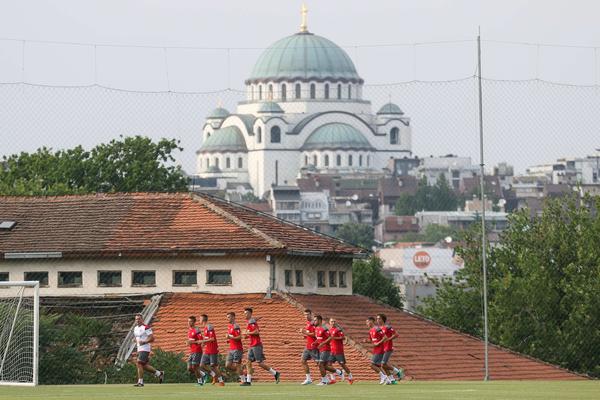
{"type": "Point", "coordinates": [36, 331]}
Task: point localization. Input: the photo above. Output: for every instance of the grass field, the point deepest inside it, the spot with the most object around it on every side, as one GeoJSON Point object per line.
{"type": "Point", "coordinates": [409, 390]}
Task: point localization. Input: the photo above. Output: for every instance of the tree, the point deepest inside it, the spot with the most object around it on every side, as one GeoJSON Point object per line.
{"type": "Point", "coordinates": [131, 164]}
{"type": "Point", "coordinates": [369, 279]}
{"type": "Point", "coordinates": [543, 285]}
{"type": "Point", "coordinates": [439, 197]}
{"type": "Point", "coordinates": [359, 234]}
{"type": "Point", "coordinates": [433, 233]}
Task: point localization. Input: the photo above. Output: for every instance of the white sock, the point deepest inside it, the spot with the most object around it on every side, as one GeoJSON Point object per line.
{"type": "Point", "coordinates": [140, 381]}
{"type": "Point", "coordinates": [396, 370]}
{"type": "Point", "coordinates": [350, 376]}
{"type": "Point", "coordinates": [391, 378]}
{"type": "Point", "coordinates": [272, 371]}
{"type": "Point", "coordinates": [157, 373]}
{"type": "Point", "coordinates": [220, 379]}
{"type": "Point", "coordinates": [202, 373]}
{"type": "Point", "coordinates": [339, 372]}
{"type": "Point", "coordinates": [249, 378]}
{"type": "Point", "coordinates": [243, 378]}
{"type": "Point", "coordinates": [308, 377]}
{"type": "Point", "coordinates": [332, 377]}
{"type": "Point", "coordinates": [382, 375]}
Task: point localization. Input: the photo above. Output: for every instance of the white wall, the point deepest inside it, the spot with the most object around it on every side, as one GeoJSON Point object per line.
{"type": "Point", "coordinates": [310, 266]}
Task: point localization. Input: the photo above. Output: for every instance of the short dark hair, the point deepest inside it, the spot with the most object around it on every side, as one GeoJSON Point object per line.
{"type": "Point", "coordinates": [248, 309]}
{"type": "Point", "coordinates": [371, 319]}
{"type": "Point", "coordinates": [308, 310]}
{"type": "Point", "coordinates": [193, 318]}
{"type": "Point", "coordinates": [204, 317]}
{"type": "Point", "coordinates": [319, 317]}
{"type": "Point", "coordinates": [231, 313]}
{"type": "Point", "coordinates": [139, 315]}
{"type": "Point", "coordinates": [383, 317]}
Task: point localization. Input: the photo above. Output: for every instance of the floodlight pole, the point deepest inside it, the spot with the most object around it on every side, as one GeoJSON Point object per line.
{"type": "Point", "coordinates": [483, 235]}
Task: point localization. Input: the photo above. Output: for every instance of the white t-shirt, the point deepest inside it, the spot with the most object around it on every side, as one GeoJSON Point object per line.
{"type": "Point", "coordinates": [142, 332]}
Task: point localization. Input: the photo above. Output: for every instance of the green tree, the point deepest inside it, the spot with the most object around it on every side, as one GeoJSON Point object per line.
{"type": "Point", "coordinates": [130, 164]}
{"type": "Point", "coordinates": [543, 281]}
{"type": "Point", "coordinates": [369, 279]}
{"type": "Point", "coordinates": [439, 197]}
{"type": "Point", "coordinates": [359, 234]}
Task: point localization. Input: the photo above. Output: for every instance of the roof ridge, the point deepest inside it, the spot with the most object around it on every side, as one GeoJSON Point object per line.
{"type": "Point", "coordinates": [237, 221]}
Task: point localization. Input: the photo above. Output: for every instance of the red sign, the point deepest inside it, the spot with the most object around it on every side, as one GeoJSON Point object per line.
{"type": "Point", "coordinates": [421, 259]}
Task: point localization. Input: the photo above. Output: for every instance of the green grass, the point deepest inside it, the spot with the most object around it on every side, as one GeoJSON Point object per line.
{"type": "Point", "coordinates": [361, 390]}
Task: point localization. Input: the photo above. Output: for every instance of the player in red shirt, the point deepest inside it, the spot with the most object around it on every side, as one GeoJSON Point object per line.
{"type": "Point", "coordinates": [193, 340]}
{"type": "Point", "coordinates": [309, 353]}
{"type": "Point", "coordinates": [210, 355]}
{"type": "Point", "coordinates": [236, 349]}
{"type": "Point", "coordinates": [255, 353]}
{"type": "Point", "coordinates": [376, 338]}
{"type": "Point", "coordinates": [337, 347]}
{"type": "Point", "coordinates": [388, 348]}
{"type": "Point", "coordinates": [322, 344]}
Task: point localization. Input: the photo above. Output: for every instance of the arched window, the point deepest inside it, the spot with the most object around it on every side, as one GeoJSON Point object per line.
{"type": "Point", "coordinates": [305, 160]}
{"type": "Point", "coordinates": [350, 160]}
{"type": "Point", "coordinates": [313, 91]}
{"type": "Point", "coordinates": [360, 160]}
{"type": "Point", "coordinates": [251, 92]}
{"type": "Point", "coordinates": [207, 162]}
{"type": "Point", "coordinates": [217, 162]}
{"type": "Point", "coordinates": [394, 136]}
{"type": "Point", "coordinates": [283, 92]}
{"type": "Point", "coordinates": [259, 135]}
{"type": "Point", "coordinates": [270, 93]}
{"type": "Point", "coordinates": [315, 159]}
{"type": "Point", "coordinates": [298, 91]}
{"type": "Point", "coordinates": [227, 162]}
{"type": "Point", "coordinates": [240, 163]}
{"type": "Point", "coordinates": [260, 92]}
{"type": "Point", "coordinates": [275, 134]}
{"type": "Point", "coordinates": [338, 160]}
{"type": "Point", "coordinates": [327, 90]}
{"type": "Point", "coordinates": [326, 160]}
{"type": "Point", "coordinates": [349, 91]}
{"type": "Point", "coordinates": [368, 160]}
{"type": "Point", "coordinates": [339, 96]}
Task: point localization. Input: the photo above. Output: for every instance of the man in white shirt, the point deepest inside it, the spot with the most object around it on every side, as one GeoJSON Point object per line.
{"type": "Point", "coordinates": [143, 338]}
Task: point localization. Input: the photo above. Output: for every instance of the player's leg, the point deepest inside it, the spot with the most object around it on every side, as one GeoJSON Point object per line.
{"type": "Point", "coordinates": [249, 367]}
{"type": "Point", "coordinates": [260, 359]}
{"type": "Point", "coordinates": [306, 355]}
{"type": "Point", "coordinates": [214, 366]}
{"type": "Point", "coordinates": [387, 369]}
{"type": "Point", "coordinates": [341, 359]}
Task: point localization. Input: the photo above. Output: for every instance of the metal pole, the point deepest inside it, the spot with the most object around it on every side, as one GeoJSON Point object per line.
{"type": "Point", "coordinates": [482, 188]}
{"type": "Point", "coordinates": [36, 332]}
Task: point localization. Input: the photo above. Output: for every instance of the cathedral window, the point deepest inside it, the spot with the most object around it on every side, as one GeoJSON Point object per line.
{"type": "Point", "coordinates": [327, 90]}
{"type": "Point", "coordinates": [350, 160]}
{"type": "Point", "coordinates": [349, 91]}
{"type": "Point", "coordinates": [315, 160]}
{"type": "Point", "coordinates": [240, 163]}
{"type": "Point", "coordinates": [339, 91]}
{"type": "Point", "coordinates": [283, 92]}
{"type": "Point", "coordinates": [360, 160]}
{"type": "Point", "coordinates": [260, 92]}
{"type": "Point", "coordinates": [227, 163]}
{"type": "Point", "coordinates": [313, 91]}
{"type": "Point", "coordinates": [259, 135]}
{"type": "Point", "coordinates": [270, 94]}
{"type": "Point", "coordinates": [252, 92]}
{"type": "Point", "coordinates": [298, 91]}
{"type": "Point", "coordinates": [217, 162]}
{"type": "Point", "coordinates": [275, 134]}
{"type": "Point", "coordinates": [394, 136]}
{"type": "Point", "coordinates": [326, 160]}
{"type": "Point", "coordinates": [338, 160]}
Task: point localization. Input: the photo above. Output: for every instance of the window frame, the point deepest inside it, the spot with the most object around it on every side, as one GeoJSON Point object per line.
{"type": "Point", "coordinates": [240, 163]}
{"type": "Point", "coordinates": [133, 284]}
{"type": "Point", "coordinates": [298, 273]}
{"type": "Point", "coordinates": [288, 278]}
{"type": "Point", "coordinates": [38, 272]}
{"type": "Point", "coordinates": [332, 274]}
{"type": "Point", "coordinates": [209, 271]}
{"type": "Point", "coordinates": [313, 91]}
{"type": "Point", "coordinates": [275, 132]}
{"type": "Point", "coordinates": [395, 135]}
{"type": "Point", "coordinates": [98, 284]}
{"type": "Point", "coordinates": [68, 285]}
{"type": "Point", "coordinates": [283, 92]}
{"type": "Point", "coordinates": [342, 279]}
{"type": "Point", "coordinates": [321, 279]}
{"type": "Point", "coordinates": [298, 91]}
{"type": "Point", "coordinates": [179, 271]}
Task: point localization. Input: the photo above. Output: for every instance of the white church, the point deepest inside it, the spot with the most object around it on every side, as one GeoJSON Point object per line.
{"type": "Point", "coordinates": [304, 109]}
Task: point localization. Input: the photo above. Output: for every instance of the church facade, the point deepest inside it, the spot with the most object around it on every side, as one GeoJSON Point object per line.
{"type": "Point", "coordinates": [304, 110]}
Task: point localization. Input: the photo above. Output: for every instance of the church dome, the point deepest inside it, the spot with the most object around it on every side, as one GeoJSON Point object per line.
{"type": "Point", "coordinates": [336, 136]}
{"type": "Point", "coordinates": [225, 139]}
{"type": "Point", "coordinates": [270, 107]}
{"type": "Point", "coordinates": [304, 56]}
{"type": "Point", "coordinates": [390, 108]}
{"type": "Point", "coordinates": [219, 113]}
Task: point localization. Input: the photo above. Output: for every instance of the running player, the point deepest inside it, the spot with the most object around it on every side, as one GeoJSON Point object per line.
{"type": "Point", "coordinates": [255, 353]}
{"type": "Point", "coordinates": [210, 355]}
{"type": "Point", "coordinates": [309, 353]}
{"type": "Point", "coordinates": [324, 347]}
{"type": "Point", "coordinates": [236, 349]}
{"type": "Point", "coordinates": [193, 340]}
{"type": "Point", "coordinates": [388, 348]}
{"type": "Point", "coordinates": [376, 338]}
{"type": "Point", "coordinates": [337, 347]}
{"type": "Point", "coordinates": [143, 337]}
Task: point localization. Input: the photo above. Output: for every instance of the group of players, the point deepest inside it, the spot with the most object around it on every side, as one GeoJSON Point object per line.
{"type": "Point", "coordinates": [324, 345]}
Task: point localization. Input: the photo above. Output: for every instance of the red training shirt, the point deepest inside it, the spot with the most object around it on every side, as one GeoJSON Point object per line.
{"type": "Point", "coordinates": [310, 340]}
{"type": "Point", "coordinates": [388, 331]}
{"type": "Point", "coordinates": [194, 334]}
{"type": "Point", "coordinates": [210, 347]}
{"type": "Point", "coordinates": [235, 331]}
{"type": "Point", "coordinates": [376, 334]}
{"type": "Point", "coordinates": [254, 339]}
{"type": "Point", "coordinates": [337, 345]}
{"type": "Point", "coordinates": [322, 334]}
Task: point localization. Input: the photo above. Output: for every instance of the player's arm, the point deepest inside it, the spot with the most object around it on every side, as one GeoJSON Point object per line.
{"type": "Point", "coordinates": [324, 342]}
{"type": "Point", "coordinates": [306, 332]}
{"type": "Point", "coordinates": [149, 340]}
{"type": "Point", "coordinates": [231, 337]}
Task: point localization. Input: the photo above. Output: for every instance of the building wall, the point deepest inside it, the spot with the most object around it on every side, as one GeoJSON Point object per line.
{"type": "Point", "coordinates": [310, 267]}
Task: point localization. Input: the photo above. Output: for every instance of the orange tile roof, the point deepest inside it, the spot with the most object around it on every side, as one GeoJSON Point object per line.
{"type": "Point", "coordinates": [151, 223]}
{"type": "Point", "coordinates": [426, 350]}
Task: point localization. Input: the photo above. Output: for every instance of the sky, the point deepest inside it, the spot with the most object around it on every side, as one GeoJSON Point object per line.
{"type": "Point", "coordinates": [418, 53]}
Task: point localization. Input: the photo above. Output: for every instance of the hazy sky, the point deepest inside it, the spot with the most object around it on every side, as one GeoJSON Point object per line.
{"type": "Point", "coordinates": [528, 122]}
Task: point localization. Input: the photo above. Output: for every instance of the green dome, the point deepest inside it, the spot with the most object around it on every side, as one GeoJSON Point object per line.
{"type": "Point", "coordinates": [336, 136]}
{"type": "Point", "coordinates": [390, 108]}
{"type": "Point", "coordinates": [270, 107]}
{"type": "Point", "coordinates": [219, 113]}
{"type": "Point", "coordinates": [304, 56]}
{"type": "Point", "coordinates": [224, 139]}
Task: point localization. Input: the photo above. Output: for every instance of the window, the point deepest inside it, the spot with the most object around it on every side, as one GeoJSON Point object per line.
{"type": "Point", "coordinates": [298, 90]}
{"type": "Point", "coordinates": [283, 92]}
{"type": "Point", "coordinates": [270, 94]}
{"type": "Point", "coordinates": [217, 162]}
{"type": "Point", "coordinates": [240, 163]}
{"type": "Point", "coordinates": [313, 91]}
{"type": "Point", "coordinates": [368, 160]}
{"type": "Point", "coordinates": [3, 276]}
{"type": "Point", "coordinates": [338, 160]}
{"type": "Point", "coordinates": [315, 160]}
{"type": "Point", "coordinates": [109, 278]}
{"type": "Point", "coordinates": [349, 91]}
{"type": "Point", "coordinates": [288, 278]}
{"type": "Point", "coordinates": [218, 277]}
{"type": "Point", "coordinates": [327, 90]}
{"type": "Point", "coordinates": [305, 160]}
{"type": "Point", "coordinates": [41, 277]}
{"type": "Point", "coordinates": [227, 163]}
{"type": "Point", "coordinates": [259, 135]}
{"type": "Point", "coordinates": [342, 280]}
{"type": "Point", "coordinates": [184, 278]}
{"type": "Point", "coordinates": [275, 134]}
{"type": "Point", "coordinates": [207, 162]}
{"type": "Point", "coordinates": [143, 278]}
{"type": "Point", "coordinates": [339, 94]}
{"type": "Point", "coordinates": [360, 160]}
{"type": "Point", "coordinates": [252, 92]}
{"type": "Point", "coordinates": [320, 278]}
{"type": "Point", "coordinates": [70, 279]}
{"type": "Point", "coordinates": [332, 278]}
{"type": "Point", "coordinates": [394, 135]}
{"type": "Point", "coordinates": [260, 92]}
{"type": "Point", "coordinates": [299, 278]}
{"type": "Point", "coordinates": [326, 160]}
{"type": "Point", "coordinates": [350, 160]}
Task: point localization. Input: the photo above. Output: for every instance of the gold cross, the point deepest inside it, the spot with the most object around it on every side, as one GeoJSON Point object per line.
{"type": "Point", "coordinates": [303, 26]}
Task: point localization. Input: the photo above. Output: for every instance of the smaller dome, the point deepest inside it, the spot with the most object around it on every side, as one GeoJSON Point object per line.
{"type": "Point", "coordinates": [270, 107]}
{"type": "Point", "coordinates": [219, 113]}
{"type": "Point", "coordinates": [225, 139]}
{"type": "Point", "coordinates": [336, 136]}
{"type": "Point", "coordinates": [390, 108]}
